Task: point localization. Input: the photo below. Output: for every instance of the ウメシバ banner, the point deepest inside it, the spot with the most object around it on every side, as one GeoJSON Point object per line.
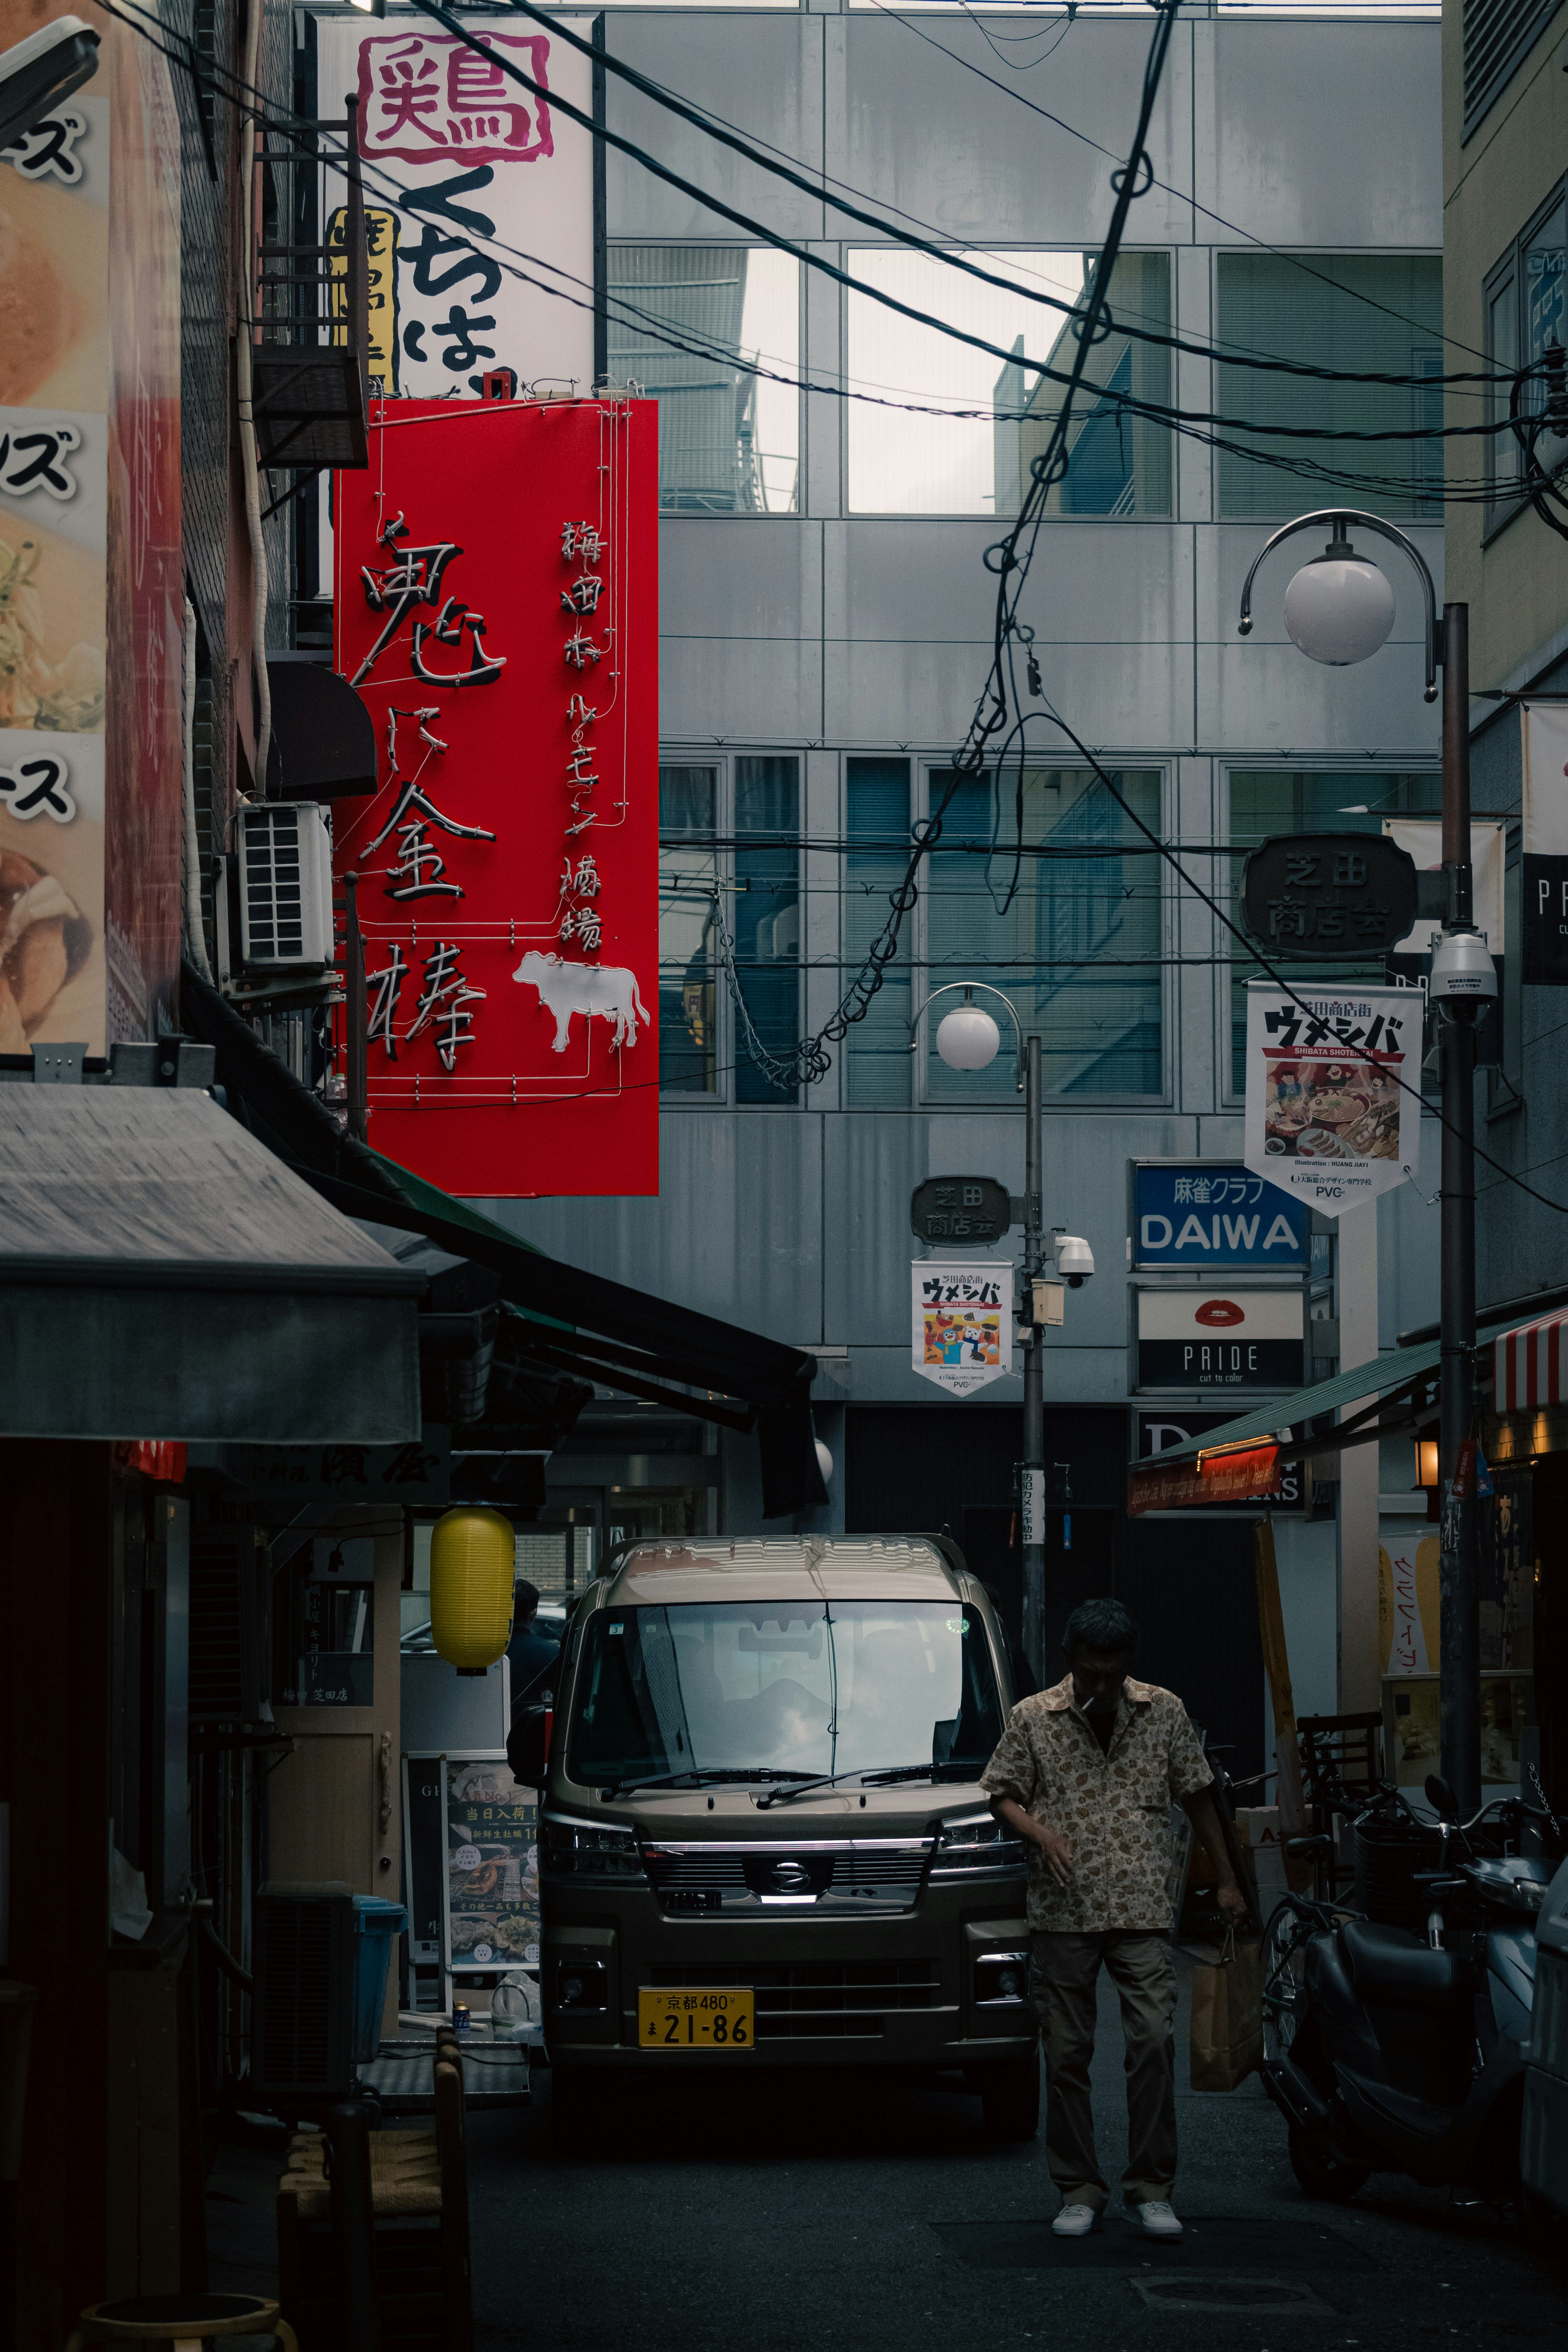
{"type": "Point", "coordinates": [1328, 1116]}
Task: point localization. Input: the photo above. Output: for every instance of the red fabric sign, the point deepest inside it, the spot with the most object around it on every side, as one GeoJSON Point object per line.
{"type": "Point", "coordinates": [497, 609]}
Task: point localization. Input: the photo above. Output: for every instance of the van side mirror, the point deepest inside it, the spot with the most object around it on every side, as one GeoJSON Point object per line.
{"type": "Point", "coordinates": [528, 1746]}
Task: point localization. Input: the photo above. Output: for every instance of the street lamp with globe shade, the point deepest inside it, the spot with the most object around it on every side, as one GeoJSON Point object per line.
{"type": "Point", "coordinates": [1339, 609]}
{"type": "Point", "coordinates": [967, 1038]}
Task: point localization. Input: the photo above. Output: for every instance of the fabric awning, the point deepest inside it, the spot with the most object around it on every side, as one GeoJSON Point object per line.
{"type": "Point", "coordinates": [163, 1275]}
{"type": "Point", "coordinates": [323, 739]}
{"type": "Point", "coordinates": [1530, 1365]}
{"type": "Point", "coordinates": [623, 1337]}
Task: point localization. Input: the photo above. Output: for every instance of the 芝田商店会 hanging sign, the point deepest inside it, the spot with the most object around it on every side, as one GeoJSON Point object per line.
{"type": "Point", "coordinates": [1334, 1101]}
{"type": "Point", "coordinates": [495, 609]}
{"type": "Point", "coordinates": [962, 1336]}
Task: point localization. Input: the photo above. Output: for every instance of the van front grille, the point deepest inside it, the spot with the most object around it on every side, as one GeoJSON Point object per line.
{"type": "Point", "coordinates": [763, 1877]}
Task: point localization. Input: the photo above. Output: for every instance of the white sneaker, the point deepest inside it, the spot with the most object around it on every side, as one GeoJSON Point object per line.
{"type": "Point", "coordinates": [1076, 2221]}
{"type": "Point", "coordinates": [1157, 2220]}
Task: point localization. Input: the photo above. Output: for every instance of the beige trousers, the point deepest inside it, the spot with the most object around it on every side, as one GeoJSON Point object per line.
{"type": "Point", "coordinates": [1063, 1972]}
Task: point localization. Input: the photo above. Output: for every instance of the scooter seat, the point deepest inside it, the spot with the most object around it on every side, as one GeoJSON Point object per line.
{"type": "Point", "coordinates": [1395, 1970]}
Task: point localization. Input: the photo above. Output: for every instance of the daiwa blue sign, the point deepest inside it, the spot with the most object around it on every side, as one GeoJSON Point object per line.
{"type": "Point", "coordinates": [1198, 1218]}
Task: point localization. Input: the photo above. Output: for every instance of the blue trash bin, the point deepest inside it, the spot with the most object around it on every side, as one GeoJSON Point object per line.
{"type": "Point", "coordinates": [376, 1922]}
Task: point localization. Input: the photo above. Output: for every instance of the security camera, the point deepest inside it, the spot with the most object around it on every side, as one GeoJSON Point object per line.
{"type": "Point", "coordinates": [1075, 1260]}
{"type": "Point", "coordinates": [37, 73]}
{"type": "Point", "coordinates": [1464, 977]}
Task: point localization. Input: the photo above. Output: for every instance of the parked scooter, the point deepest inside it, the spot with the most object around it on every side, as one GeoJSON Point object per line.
{"type": "Point", "coordinates": [1386, 2052]}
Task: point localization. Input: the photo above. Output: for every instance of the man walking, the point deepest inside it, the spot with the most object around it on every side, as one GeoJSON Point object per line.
{"type": "Point", "coordinates": [1086, 1773]}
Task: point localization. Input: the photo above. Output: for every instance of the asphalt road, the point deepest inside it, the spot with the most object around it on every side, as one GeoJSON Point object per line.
{"type": "Point", "coordinates": [761, 2213]}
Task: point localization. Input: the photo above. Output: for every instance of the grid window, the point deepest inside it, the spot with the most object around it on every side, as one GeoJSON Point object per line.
{"type": "Point", "coordinates": [1268, 801]}
{"type": "Point", "coordinates": [975, 458]}
{"type": "Point", "coordinates": [767, 920]}
{"type": "Point", "coordinates": [706, 330]}
{"type": "Point", "coordinates": [1526, 317]}
{"type": "Point", "coordinates": [1079, 947]}
{"type": "Point", "coordinates": [687, 876]}
{"type": "Point", "coordinates": [1376, 312]}
{"type": "Point", "coordinates": [877, 1064]}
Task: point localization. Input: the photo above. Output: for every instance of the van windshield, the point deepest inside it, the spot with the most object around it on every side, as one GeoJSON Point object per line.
{"type": "Point", "coordinates": [800, 1688]}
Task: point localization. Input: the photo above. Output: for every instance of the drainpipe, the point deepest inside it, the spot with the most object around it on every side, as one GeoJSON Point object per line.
{"type": "Point", "coordinates": [246, 385]}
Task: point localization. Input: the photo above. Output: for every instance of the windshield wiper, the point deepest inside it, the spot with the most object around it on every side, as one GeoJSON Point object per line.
{"type": "Point", "coordinates": [697, 1777]}
{"type": "Point", "coordinates": [870, 1773]}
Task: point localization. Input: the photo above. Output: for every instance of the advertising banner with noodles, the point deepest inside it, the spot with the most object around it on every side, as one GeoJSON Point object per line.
{"type": "Point", "coordinates": [496, 607]}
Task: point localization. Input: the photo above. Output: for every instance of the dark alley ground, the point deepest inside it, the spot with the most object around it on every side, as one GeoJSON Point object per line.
{"type": "Point", "coordinates": [754, 2215]}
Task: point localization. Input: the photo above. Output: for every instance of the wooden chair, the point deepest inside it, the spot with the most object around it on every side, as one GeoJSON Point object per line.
{"type": "Point", "coordinates": [419, 2200]}
{"type": "Point", "coordinates": [184, 2321]}
{"type": "Point", "coordinates": [1341, 1768]}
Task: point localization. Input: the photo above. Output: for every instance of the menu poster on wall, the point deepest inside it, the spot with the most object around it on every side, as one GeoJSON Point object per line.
{"type": "Point", "coordinates": [963, 1338]}
{"type": "Point", "coordinates": [54, 477]}
{"type": "Point", "coordinates": [492, 1867]}
{"type": "Point", "coordinates": [92, 601]}
{"type": "Point", "coordinates": [1334, 1101]}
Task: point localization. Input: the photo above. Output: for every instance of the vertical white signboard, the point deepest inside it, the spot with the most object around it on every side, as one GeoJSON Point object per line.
{"type": "Point", "coordinates": [1327, 1116]}
{"type": "Point", "coordinates": [479, 196]}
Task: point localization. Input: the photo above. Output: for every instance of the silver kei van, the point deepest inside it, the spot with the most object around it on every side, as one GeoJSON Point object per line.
{"type": "Point", "coordinates": [762, 1845]}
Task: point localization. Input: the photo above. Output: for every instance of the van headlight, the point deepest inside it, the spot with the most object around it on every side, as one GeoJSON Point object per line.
{"type": "Point", "coordinates": [1002, 1980]}
{"type": "Point", "coordinates": [975, 1842]}
{"type": "Point", "coordinates": [589, 1849]}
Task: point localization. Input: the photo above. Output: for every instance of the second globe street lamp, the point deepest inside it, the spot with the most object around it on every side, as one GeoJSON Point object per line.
{"type": "Point", "coordinates": [967, 1038]}
{"type": "Point", "coordinates": [1339, 609]}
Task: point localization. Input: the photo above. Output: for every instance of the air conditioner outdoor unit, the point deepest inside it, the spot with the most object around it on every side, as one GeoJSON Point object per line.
{"type": "Point", "coordinates": [286, 886]}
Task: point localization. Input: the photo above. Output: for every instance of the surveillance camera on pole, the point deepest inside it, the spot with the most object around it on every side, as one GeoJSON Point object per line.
{"type": "Point", "coordinates": [1075, 1260]}
{"type": "Point", "coordinates": [1464, 977]}
{"type": "Point", "coordinates": [39, 72]}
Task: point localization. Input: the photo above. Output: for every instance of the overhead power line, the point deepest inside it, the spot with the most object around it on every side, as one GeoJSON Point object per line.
{"type": "Point", "coordinates": [1096, 309]}
{"type": "Point", "coordinates": [725, 135]}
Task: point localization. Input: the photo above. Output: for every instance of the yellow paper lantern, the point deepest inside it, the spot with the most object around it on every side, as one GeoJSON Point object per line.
{"type": "Point", "coordinates": [472, 1553]}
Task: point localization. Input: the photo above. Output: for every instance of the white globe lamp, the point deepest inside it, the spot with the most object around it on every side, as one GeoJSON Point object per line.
{"type": "Point", "coordinates": [825, 1462]}
{"type": "Point", "coordinates": [1339, 608]}
{"type": "Point", "coordinates": [967, 1038]}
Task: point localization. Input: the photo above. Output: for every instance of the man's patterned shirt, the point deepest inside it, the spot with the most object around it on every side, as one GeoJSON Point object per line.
{"type": "Point", "coordinates": [1114, 1807]}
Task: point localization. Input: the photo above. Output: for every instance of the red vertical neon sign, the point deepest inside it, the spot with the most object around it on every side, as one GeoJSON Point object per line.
{"type": "Point", "coordinates": [495, 607]}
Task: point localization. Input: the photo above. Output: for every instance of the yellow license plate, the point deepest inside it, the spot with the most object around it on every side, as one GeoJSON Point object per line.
{"type": "Point", "coordinates": [696, 2016]}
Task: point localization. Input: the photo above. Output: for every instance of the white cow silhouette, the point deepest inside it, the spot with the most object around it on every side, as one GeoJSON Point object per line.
{"type": "Point", "coordinates": [608, 989]}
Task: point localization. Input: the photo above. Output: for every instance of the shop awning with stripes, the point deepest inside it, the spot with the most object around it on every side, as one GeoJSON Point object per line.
{"type": "Point", "coordinates": [1530, 1365]}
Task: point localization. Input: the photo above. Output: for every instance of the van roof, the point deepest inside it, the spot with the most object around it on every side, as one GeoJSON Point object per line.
{"type": "Point", "coordinates": [782, 1568]}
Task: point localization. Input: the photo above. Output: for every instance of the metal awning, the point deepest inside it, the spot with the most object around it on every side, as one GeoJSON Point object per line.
{"type": "Point", "coordinates": [163, 1275]}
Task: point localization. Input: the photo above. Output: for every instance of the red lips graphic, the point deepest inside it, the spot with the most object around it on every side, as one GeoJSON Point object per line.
{"type": "Point", "coordinates": [1220, 1314]}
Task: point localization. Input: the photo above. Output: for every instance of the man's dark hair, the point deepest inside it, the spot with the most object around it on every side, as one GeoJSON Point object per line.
{"type": "Point", "coordinates": [524, 1598]}
{"type": "Point", "coordinates": [1099, 1625]}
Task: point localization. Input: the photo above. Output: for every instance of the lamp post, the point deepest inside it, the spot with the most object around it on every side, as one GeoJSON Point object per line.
{"type": "Point", "coordinates": [967, 1038]}
{"type": "Point", "coordinates": [1339, 609]}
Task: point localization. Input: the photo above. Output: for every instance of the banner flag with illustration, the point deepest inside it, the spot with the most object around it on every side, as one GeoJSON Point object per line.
{"type": "Point", "coordinates": [1545, 844]}
{"type": "Point", "coordinates": [1327, 1117]}
{"type": "Point", "coordinates": [962, 1322]}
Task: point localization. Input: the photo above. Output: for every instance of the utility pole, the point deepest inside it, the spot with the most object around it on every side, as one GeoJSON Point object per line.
{"type": "Point", "coordinates": [1032, 1494]}
{"type": "Point", "coordinates": [1460, 1564]}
